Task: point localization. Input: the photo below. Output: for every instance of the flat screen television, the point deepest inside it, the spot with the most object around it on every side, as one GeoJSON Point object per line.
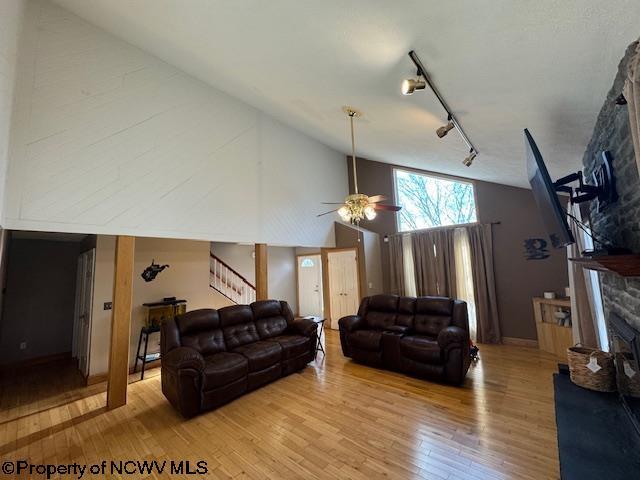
{"type": "Point", "coordinates": [544, 191]}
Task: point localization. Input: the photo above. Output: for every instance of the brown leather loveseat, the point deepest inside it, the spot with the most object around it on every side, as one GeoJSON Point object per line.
{"type": "Point", "coordinates": [424, 336]}
{"type": "Point", "coordinates": [210, 357]}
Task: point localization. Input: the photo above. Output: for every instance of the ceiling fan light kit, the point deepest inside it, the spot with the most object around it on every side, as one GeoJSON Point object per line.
{"type": "Point", "coordinates": [359, 206]}
{"type": "Point", "coordinates": [410, 85]}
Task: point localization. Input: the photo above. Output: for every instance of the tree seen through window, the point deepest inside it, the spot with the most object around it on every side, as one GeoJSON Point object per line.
{"type": "Point", "coordinates": [430, 201]}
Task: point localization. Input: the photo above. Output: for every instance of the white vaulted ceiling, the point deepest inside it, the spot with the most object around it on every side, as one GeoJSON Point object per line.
{"type": "Point", "coordinates": [502, 65]}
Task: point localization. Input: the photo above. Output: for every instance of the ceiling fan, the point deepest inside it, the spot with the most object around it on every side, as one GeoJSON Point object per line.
{"type": "Point", "coordinates": [358, 206]}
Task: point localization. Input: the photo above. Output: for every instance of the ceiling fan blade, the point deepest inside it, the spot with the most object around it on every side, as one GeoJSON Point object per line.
{"type": "Point", "coordinates": [388, 208]}
{"type": "Point", "coordinates": [327, 213]}
{"type": "Point", "coordinates": [377, 198]}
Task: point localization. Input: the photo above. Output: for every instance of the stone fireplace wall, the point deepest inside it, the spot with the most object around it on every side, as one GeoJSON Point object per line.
{"type": "Point", "coordinates": [619, 222]}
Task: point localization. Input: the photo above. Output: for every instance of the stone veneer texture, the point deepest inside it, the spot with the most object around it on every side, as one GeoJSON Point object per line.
{"type": "Point", "coordinates": [621, 221]}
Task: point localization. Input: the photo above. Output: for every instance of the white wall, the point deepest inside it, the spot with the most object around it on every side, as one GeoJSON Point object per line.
{"type": "Point", "coordinates": [109, 139]}
{"type": "Point", "coordinates": [281, 267]}
{"type": "Point", "coordinates": [186, 278]}
{"type": "Point", "coordinates": [10, 23]}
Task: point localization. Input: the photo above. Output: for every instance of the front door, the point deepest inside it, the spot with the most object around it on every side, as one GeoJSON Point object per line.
{"type": "Point", "coordinates": [310, 285]}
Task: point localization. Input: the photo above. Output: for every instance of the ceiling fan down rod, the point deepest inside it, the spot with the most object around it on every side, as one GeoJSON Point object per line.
{"type": "Point", "coordinates": [353, 153]}
{"type": "Point", "coordinates": [423, 72]}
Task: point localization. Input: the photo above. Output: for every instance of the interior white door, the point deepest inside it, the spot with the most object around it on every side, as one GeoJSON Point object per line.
{"type": "Point", "coordinates": [84, 304]}
{"type": "Point", "coordinates": [310, 285]}
{"type": "Point", "coordinates": [77, 321]}
{"type": "Point", "coordinates": [343, 284]}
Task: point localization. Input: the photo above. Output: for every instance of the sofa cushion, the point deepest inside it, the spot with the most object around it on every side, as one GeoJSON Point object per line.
{"type": "Point", "coordinates": [200, 330]}
{"type": "Point", "coordinates": [366, 340]}
{"type": "Point", "coordinates": [223, 368]}
{"type": "Point", "coordinates": [293, 345]}
{"type": "Point", "coordinates": [430, 324]}
{"type": "Point", "coordinates": [432, 315]}
{"type": "Point", "coordinates": [207, 343]}
{"type": "Point", "coordinates": [380, 320]}
{"type": "Point", "coordinates": [421, 348]}
{"type": "Point", "coordinates": [383, 303]}
{"type": "Point", "coordinates": [406, 311]}
{"type": "Point", "coordinates": [269, 318]}
{"type": "Point", "coordinates": [237, 326]}
{"type": "Point", "coordinates": [434, 306]}
{"type": "Point", "coordinates": [261, 354]}
{"type": "Point", "coordinates": [197, 321]}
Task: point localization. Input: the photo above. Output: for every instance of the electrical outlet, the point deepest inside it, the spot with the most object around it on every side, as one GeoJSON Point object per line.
{"type": "Point", "coordinates": [370, 284]}
{"type": "Point", "coordinates": [108, 305]}
{"type": "Point", "coordinates": [23, 345]}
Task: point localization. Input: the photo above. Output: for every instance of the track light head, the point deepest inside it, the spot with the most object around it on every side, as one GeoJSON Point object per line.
{"type": "Point", "coordinates": [469, 160]}
{"type": "Point", "coordinates": [442, 131]}
{"type": "Point", "coordinates": [410, 85]}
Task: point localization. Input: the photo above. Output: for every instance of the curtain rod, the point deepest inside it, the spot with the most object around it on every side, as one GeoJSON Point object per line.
{"type": "Point", "coordinates": [443, 227]}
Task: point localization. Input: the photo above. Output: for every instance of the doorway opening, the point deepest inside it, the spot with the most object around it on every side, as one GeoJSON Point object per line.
{"type": "Point", "coordinates": [341, 283]}
{"type": "Point", "coordinates": [45, 316]}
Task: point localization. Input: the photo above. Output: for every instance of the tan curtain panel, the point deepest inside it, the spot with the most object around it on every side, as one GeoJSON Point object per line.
{"type": "Point", "coordinates": [484, 284]}
{"type": "Point", "coordinates": [632, 94]}
{"type": "Point", "coordinates": [434, 262]}
{"type": "Point", "coordinates": [396, 265]}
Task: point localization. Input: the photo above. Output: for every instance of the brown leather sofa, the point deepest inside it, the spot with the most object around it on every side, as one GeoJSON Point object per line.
{"type": "Point", "coordinates": [210, 357]}
{"type": "Point", "coordinates": [424, 336]}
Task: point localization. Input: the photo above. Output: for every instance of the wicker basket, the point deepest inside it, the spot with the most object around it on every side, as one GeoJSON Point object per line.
{"type": "Point", "coordinates": [604, 380]}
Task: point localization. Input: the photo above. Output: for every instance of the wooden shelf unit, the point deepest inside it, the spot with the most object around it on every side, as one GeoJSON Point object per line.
{"type": "Point", "coordinates": [552, 338]}
{"type": "Point", "coordinates": [624, 265]}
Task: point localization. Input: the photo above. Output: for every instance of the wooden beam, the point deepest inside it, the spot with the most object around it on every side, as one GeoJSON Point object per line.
{"type": "Point", "coordinates": [121, 322]}
{"type": "Point", "coordinates": [262, 284]}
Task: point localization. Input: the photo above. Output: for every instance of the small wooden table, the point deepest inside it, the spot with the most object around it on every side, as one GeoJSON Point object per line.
{"type": "Point", "coordinates": [552, 338]}
{"type": "Point", "coordinates": [146, 357]}
{"type": "Point", "coordinates": [156, 313]}
{"type": "Point", "coordinates": [320, 322]}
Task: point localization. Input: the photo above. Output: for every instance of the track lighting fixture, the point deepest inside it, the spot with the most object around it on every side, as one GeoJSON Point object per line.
{"type": "Point", "coordinates": [469, 160]}
{"type": "Point", "coordinates": [410, 85]}
{"type": "Point", "coordinates": [442, 131]}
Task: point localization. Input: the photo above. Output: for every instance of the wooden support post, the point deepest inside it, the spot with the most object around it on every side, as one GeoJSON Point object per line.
{"type": "Point", "coordinates": [262, 288]}
{"type": "Point", "coordinates": [121, 322]}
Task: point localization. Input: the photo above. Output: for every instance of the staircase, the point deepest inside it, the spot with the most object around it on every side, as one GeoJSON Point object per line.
{"type": "Point", "coordinates": [228, 282]}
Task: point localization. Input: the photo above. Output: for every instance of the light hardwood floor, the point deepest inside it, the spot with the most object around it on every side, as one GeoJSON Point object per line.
{"type": "Point", "coordinates": [336, 419]}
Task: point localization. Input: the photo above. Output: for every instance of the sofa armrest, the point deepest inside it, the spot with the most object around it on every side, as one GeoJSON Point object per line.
{"type": "Point", "coordinates": [183, 357]}
{"type": "Point", "coordinates": [454, 342]}
{"type": "Point", "coordinates": [451, 336]}
{"type": "Point", "coordinates": [351, 323]}
{"type": "Point", "coordinates": [303, 326]}
{"type": "Point", "coordinates": [460, 316]}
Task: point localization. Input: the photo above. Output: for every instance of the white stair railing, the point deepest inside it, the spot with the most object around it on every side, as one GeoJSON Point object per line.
{"type": "Point", "coordinates": [230, 283]}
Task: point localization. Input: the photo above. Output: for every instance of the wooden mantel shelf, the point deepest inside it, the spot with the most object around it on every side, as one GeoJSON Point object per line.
{"type": "Point", "coordinates": [624, 265]}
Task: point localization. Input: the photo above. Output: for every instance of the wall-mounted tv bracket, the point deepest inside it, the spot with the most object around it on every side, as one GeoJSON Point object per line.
{"type": "Point", "coordinates": [603, 188]}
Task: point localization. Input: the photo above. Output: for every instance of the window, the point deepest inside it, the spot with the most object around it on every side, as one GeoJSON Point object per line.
{"type": "Point", "coordinates": [306, 263]}
{"type": "Point", "coordinates": [428, 201]}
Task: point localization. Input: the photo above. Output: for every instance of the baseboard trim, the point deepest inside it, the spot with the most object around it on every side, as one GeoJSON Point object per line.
{"type": "Point", "coordinates": [520, 342]}
{"type": "Point", "coordinates": [32, 362]}
{"type": "Point", "coordinates": [103, 377]}
{"type": "Point", "coordinates": [99, 378]}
